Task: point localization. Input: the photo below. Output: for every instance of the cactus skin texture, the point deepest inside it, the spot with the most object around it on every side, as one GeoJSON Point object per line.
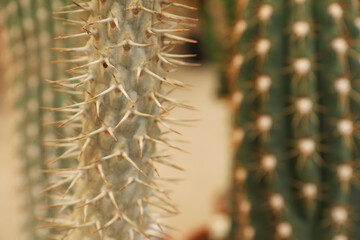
{"type": "Point", "coordinates": [295, 93]}
{"type": "Point", "coordinates": [115, 191]}
{"type": "Point", "coordinates": [28, 31]}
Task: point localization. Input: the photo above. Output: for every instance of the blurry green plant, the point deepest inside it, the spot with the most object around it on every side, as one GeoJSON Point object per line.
{"type": "Point", "coordinates": [28, 30]}
{"type": "Point", "coordinates": [294, 82]}
{"type": "Point", "coordinates": [217, 18]}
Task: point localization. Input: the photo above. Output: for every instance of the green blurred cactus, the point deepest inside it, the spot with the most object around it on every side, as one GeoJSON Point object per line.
{"type": "Point", "coordinates": [120, 111]}
{"type": "Point", "coordinates": [217, 18]}
{"type": "Point", "coordinates": [28, 31]}
{"type": "Point", "coordinates": [295, 93]}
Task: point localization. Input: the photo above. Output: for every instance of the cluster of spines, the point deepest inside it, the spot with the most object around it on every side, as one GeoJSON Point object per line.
{"type": "Point", "coordinates": [293, 76]}
{"type": "Point", "coordinates": [120, 113]}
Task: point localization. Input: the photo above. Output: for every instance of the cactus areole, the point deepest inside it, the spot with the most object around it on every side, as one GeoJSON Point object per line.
{"type": "Point", "coordinates": [295, 81]}
{"type": "Point", "coordinates": [115, 192]}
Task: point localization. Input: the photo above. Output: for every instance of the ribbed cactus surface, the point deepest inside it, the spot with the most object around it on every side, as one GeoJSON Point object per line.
{"type": "Point", "coordinates": [120, 113]}
{"type": "Point", "coordinates": [295, 91]}
{"type": "Point", "coordinates": [28, 31]}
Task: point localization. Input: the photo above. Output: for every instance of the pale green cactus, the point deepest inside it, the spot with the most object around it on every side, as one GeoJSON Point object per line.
{"type": "Point", "coordinates": [121, 115]}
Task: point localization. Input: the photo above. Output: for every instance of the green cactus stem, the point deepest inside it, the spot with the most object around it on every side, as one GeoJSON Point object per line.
{"type": "Point", "coordinates": [295, 90]}
{"type": "Point", "coordinates": [122, 114]}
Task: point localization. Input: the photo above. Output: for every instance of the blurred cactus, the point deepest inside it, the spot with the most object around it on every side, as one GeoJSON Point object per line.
{"type": "Point", "coordinates": [28, 30]}
{"type": "Point", "coordinates": [214, 24]}
{"type": "Point", "coordinates": [295, 93]}
{"type": "Point", "coordinates": [121, 114]}
{"type": "Point", "coordinates": [217, 18]}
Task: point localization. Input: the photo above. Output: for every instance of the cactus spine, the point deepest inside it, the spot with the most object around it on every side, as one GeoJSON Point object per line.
{"type": "Point", "coordinates": [28, 32]}
{"type": "Point", "coordinates": [295, 93]}
{"type": "Point", "coordinates": [121, 115]}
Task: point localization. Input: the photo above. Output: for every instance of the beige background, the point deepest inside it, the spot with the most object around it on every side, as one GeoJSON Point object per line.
{"type": "Point", "coordinates": [207, 163]}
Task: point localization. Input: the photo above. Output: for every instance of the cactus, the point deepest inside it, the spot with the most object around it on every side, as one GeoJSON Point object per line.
{"type": "Point", "coordinates": [217, 18]}
{"type": "Point", "coordinates": [295, 96]}
{"type": "Point", "coordinates": [28, 30]}
{"type": "Point", "coordinates": [120, 113]}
